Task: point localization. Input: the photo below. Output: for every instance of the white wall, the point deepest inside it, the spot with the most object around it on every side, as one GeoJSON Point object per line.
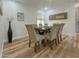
{"type": "Point", "coordinates": [18, 27]}
{"type": "Point", "coordinates": [11, 8]}
{"type": "Point", "coordinates": [69, 28]}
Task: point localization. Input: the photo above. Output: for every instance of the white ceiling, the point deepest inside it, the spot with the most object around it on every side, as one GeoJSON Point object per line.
{"type": "Point", "coordinates": [51, 4]}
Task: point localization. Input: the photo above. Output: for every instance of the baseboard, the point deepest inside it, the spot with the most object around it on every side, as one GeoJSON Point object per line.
{"type": "Point", "coordinates": [1, 51]}
{"type": "Point", "coordinates": [20, 37]}
{"type": "Point", "coordinates": [70, 36]}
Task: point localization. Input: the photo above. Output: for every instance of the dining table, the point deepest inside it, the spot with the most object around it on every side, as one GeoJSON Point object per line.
{"type": "Point", "coordinates": [42, 30]}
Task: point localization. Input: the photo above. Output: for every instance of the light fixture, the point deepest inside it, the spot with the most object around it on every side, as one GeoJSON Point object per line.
{"type": "Point", "coordinates": [45, 8]}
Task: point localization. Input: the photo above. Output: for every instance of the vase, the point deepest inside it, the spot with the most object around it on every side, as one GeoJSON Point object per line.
{"type": "Point", "coordinates": [10, 33]}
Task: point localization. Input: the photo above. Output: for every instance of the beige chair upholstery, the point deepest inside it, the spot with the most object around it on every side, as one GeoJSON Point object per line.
{"type": "Point", "coordinates": [60, 31]}
{"type": "Point", "coordinates": [34, 25]}
{"type": "Point", "coordinates": [53, 35]}
{"type": "Point", "coordinates": [54, 31]}
{"type": "Point", "coordinates": [33, 36]}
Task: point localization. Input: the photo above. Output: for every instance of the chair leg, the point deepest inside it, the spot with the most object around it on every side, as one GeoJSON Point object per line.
{"type": "Point", "coordinates": [43, 42]}
{"type": "Point", "coordinates": [56, 42]}
{"type": "Point", "coordinates": [61, 37]}
{"type": "Point", "coordinates": [35, 48]}
{"type": "Point", "coordinates": [50, 45]}
{"type": "Point", "coordinates": [29, 43]}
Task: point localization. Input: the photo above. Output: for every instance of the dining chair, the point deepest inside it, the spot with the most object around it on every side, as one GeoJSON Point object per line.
{"type": "Point", "coordinates": [60, 31]}
{"type": "Point", "coordinates": [34, 37]}
{"type": "Point", "coordinates": [59, 27]}
{"type": "Point", "coordinates": [53, 35]}
{"type": "Point", "coordinates": [34, 25]}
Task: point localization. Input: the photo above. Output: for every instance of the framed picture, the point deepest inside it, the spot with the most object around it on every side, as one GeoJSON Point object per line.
{"type": "Point", "coordinates": [20, 16]}
{"type": "Point", "coordinates": [60, 16]}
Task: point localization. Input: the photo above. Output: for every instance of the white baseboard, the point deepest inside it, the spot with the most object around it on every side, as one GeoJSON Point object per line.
{"type": "Point", "coordinates": [1, 51]}
{"type": "Point", "coordinates": [16, 38]}
{"type": "Point", "coordinates": [19, 37]}
{"type": "Point", "coordinates": [72, 36]}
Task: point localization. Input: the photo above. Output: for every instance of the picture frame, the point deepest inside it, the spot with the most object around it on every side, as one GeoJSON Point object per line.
{"type": "Point", "coordinates": [60, 16]}
{"type": "Point", "coordinates": [20, 16]}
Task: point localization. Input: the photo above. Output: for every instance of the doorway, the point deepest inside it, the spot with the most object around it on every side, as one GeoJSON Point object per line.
{"type": "Point", "coordinates": [77, 19]}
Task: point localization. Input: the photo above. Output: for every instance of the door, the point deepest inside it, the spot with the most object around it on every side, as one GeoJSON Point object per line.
{"type": "Point", "coordinates": [77, 20]}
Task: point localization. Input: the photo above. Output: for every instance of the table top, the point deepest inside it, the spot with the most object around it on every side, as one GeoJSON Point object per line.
{"type": "Point", "coordinates": [43, 30]}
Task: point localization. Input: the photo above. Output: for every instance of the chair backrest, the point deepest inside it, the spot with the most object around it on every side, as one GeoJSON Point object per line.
{"type": "Point", "coordinates": [61, 28]}
{"type": "Point", "coordinates": [34, 25]}
{"type": "Point", "coordinates": [31, 32]}
{"type": "Point", "coordinates": [54, 31]}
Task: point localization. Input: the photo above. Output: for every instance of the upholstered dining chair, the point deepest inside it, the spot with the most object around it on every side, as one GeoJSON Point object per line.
{"type": "Point", "coordinates": [34, 25]}
{"type": "Point", "coordinates": [60, 31]}
{"type": "Point", "coordinates": [33, 37]}
{"type": "Point", "coordinates": [58, 36]}
{"type": "Point", "coordinates": [53, 35]}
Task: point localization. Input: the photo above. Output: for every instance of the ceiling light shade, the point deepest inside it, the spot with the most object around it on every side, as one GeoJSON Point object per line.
{"type": "Point", "coordinates": [46, 8]}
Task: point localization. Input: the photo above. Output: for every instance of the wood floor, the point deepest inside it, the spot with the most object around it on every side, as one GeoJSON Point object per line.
{"type": "Point", "coordinates": [68, 48]}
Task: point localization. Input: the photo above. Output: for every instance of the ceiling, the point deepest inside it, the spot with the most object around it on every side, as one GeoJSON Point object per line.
{"type": "Point", "coordinates": [51, 4]}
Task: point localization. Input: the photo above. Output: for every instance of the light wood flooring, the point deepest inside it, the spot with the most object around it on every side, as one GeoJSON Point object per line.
{"type": "Point", "coordinates": [68, 48]}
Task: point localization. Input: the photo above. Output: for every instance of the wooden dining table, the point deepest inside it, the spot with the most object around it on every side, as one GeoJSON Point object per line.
{"type": "Point", "coordinates": [43, 30]}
